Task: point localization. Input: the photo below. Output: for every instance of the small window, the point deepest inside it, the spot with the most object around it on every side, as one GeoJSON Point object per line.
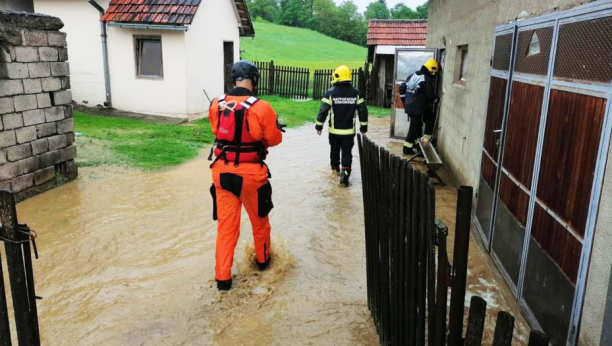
{"type": "Point", "coordinates": [534, 45]}
{"type": "Point", "coordinates": [149, 62]}
{"type": "Point", "coordinates": [462, 62]}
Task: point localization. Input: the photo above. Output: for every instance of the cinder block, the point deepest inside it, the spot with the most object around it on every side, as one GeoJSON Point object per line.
{"type": "Point", "coordinates": [66, 82]}
{"type": "Point", "coordinates": [35, 38]}
{"type": "Point", "coordinates": [44, 175]}
{"type": "Point", "coordinates": [32, 86]}
{"type": "Point", "coordinates": [29, 165]}
{"type": "Point", "coordinates": [26, 134]}
{"type": "Point", "coordinates": [63, 97]}
{"type": "Point", "coordinates": [34, 117]}
{"type": "Point", "coordinates": [68, 111]}
{"type": "Point", "coordinates": [26, 54]}
{"type": "Point", "coordinates": [71, 166]}
{"type": "Point", "coordinates": [6, 185]}
{"type": "Point", "coordinates": [40, 146]}
{"type": "Point", "coordinates": [57, 142]}
{"type": "Point", "coordinates": [48, 54]}
{"type": "Point", "coordinates": [65, 126]}
{"type": "Point", "coordinates": [7, 139]}
{"type": "Point", "coordinates": [25, 102]}
{"type": "Point", "coordinates": [49, 159]}
{"type": "Point", "coordinates": [46, 130]}
{"type": "Point", "coordinates": [12, 121]}
{"type": "Point", "coordinates": [5, 55]}
{"type": "Point", "coordinates": [44, 100]}
{"type": "Point", "coordinates": [59, 69]}
{"type": "Point", "coordinates": [22, 182]}
{"type": "Point", "coordinates": [10, 170]}
{"type": "Point", "coordinates": [51, 84]}
{"type": "Point", "coordinates": [54, 113]}
{"type": "Point", "coordinates": [70, 138]}
{"type": "Point", "coordinates": [57, 39]}
{"type": "Point", "coordinates": [6, 106]}
{"type": "Point", "coordinates": [3, 156]}
{"type": "Point", "coordinates": [10, 87]}
{"type": "Point", "coordinates": [19, 152]}
{"type": "Point", "coordinates": [68, 153]}
{"type": "Point", "coordinates": [39, 69]}
{"type": "Point", "coordinates": [14, 70]}
{"type": "Point", "coordinates": [63, 54]}
{"type": "Point", "coordinates": [12, 53]}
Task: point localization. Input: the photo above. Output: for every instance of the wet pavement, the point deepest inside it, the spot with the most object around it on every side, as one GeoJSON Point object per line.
{"type": "Point", "coordinates": [127, 257]}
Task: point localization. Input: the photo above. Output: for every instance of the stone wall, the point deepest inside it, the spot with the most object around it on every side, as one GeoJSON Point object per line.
{"type": "Point", "coordinates": [37, 141]}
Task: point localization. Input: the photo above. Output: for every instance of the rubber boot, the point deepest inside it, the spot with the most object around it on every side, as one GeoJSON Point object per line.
{"type": "Point", "coordinates": [336, 170]}
{"type": "Point", "coordinates": [263, 266]}
{"type": "Point", "coordinates": [344, 177]}
{"type": "Point", "coordinates": [224, 285]}
{"type": "Point", "coordinates": [408, 149]}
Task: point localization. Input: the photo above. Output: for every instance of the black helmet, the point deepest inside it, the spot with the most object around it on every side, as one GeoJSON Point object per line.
{"type": "Point", "coordinates": [245, 69]}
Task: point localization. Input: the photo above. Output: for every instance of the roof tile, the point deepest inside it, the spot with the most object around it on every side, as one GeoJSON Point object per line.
{"type": "Point", "coordinates": [397, 32]}
{"type": "Point", "coordinates": [152, 11]}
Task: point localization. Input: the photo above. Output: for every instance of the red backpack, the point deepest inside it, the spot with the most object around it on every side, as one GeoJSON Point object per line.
{"type": "Point", "coordinates": [234, 142]}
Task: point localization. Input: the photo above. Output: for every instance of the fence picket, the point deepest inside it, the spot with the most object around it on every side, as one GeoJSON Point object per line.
{"type": "Point", "coordinates": [476, 322]}
{"type": "Point", "coordinates": [503, 329]}
{"type": "Point", "coordinates": [537, 338]}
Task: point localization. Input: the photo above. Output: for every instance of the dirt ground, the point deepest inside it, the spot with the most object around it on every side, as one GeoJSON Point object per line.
{"type": "Point", "coordinates": [127, 257]}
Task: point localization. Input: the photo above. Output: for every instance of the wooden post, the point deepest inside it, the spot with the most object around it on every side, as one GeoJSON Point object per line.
{"type": "Point", "coordinates": [16, 270]}
{"type": "Point", "coordinates": [442, 289]}
{"type": "Point", "coordinates": [476, 321]}
{"type": "Point", "coordinates": [29, 269]}
{"type": "Point", "coordinates": [5, 329]}
{"type": "Point", "coordinates": [460, 264]}
{"type": "Point", "coordinates": [431, 262]}
{"type": "Point", "coordinates": [271, 78]}
{"type": "Point", "coordinates": [503, 329]}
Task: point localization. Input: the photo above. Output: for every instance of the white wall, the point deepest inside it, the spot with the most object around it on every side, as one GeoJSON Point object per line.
{"type": "Point", "coordinates": [214, 23]}
{"type": "Point", "coordinates": [82, 25]}
{"type": "Point", "coordinates": [167, 96]}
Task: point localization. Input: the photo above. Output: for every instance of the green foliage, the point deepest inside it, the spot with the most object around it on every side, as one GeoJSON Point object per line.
{"type": "Point", "coordinates": [377, 10]}
{"type": "Point", "coordinates": [301, 48]}
{"type": "Point", "coordinates": [296, 13]}
{"type": "Point", "coordinates": [401, 11]}
{"type": "Point", "coordinates": [423, 11]}
{"type": "Point", "coordinates": [265, 9]}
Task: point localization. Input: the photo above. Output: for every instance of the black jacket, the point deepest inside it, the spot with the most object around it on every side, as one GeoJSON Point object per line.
{"type": "Point", "coordinates": [417, 92]}
{"type": "Point", "coordinates": [344, 102]}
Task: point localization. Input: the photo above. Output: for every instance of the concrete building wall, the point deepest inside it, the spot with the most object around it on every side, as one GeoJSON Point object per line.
{"type": "Point", "coordinates": [165, 96]}
{"type": "Point", "coordinates": [37, 128]}
{"type": "Point", "coordinates": [463, 115]}
{"type": "Point", "coordinates": [82, 23]}
{"type": "Point", "coordinates": [216, 22]}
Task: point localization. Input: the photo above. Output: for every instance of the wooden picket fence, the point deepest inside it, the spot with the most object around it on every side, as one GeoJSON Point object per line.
{"type": "Point", "coordinates": [407, 287]}
{"type": "Point", "coordinates": [284, 81]}
{"type": "Point", "coordinates": [322, 82]}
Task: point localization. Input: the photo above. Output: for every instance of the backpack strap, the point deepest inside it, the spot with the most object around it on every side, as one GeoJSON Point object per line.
{"type": "Point", "coordinates": [248, 103]}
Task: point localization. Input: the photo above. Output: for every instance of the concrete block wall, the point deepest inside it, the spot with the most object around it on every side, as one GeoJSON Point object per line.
{"type": "Point", "coordinates": [37, 141]}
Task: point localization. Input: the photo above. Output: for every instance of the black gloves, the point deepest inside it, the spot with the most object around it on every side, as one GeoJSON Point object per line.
{"type": "Point", "coordinates": [280, 126]}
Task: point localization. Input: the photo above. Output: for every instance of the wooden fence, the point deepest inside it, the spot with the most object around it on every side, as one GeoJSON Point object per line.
{"type": "Point", "coordinates": [407, 291]}
{"type": "Point", "coordinates": [322, 82]}
{"type": "Point", "coordinates": [284, 81]}
{"type": "Point", "coordinates": [17, 238]}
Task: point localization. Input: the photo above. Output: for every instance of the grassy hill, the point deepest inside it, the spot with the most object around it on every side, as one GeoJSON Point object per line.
{"type": "Point", "coordinates": [300, 47]}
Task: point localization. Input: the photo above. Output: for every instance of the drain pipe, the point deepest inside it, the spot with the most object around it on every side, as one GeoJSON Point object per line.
{"type": "Point", "coordinates": [108, 102]}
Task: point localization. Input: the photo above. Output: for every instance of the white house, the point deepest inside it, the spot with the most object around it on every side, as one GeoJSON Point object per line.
{"type": "Point", "coordinates": [162, 54]}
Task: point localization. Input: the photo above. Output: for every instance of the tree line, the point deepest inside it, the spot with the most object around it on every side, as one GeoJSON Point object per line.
{"type": "Point", "coordinates": [343, 22]}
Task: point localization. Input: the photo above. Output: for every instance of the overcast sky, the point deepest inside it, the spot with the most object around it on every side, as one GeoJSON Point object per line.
{"type": "Point", "coordinates": [364, 3]}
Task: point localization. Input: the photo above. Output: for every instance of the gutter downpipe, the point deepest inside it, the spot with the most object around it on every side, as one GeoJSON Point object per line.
{"type": "Point", "coordinates": [109, 100]}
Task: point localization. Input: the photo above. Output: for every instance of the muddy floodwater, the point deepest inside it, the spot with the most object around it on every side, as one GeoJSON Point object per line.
{"type": "Point", "coordinates": [127, 257]}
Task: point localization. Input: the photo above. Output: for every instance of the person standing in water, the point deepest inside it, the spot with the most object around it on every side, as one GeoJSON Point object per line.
{"type": "Point", "coordinates": [244, 127]}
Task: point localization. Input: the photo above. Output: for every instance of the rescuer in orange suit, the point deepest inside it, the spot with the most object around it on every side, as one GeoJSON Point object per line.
{"type": "Point", "coordinates": [244, 127]}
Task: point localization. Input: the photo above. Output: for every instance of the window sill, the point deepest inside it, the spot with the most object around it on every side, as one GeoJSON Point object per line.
{"type": "Point", "coordinates": [150, 78]}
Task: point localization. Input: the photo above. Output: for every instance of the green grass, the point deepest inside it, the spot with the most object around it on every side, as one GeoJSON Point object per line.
{"type": "Point", "coordinates": [300, 48]}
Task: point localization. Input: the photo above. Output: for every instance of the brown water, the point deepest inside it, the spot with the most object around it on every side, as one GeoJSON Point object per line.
{"type": "Point", "coordinates": [127, 257]}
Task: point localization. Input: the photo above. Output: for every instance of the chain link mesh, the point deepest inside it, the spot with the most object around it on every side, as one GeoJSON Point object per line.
{"type": "Point", "coordinates": [503, 49]}
{"type": "Point", "coordinates": [537, 63]}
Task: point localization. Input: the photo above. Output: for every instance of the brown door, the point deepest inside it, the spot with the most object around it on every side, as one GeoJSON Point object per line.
{"type": "Point", "coordinates": [228, 61]}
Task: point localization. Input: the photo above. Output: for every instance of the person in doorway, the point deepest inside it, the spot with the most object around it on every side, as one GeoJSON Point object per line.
{"type": "Point", "coordinates": [418, 96]}
{"type": "Point", "coordinates": [244, 127]}
{"type": "Point", "coordinates": [344, 102]}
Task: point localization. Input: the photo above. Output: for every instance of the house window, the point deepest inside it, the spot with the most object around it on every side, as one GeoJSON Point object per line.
{"type": "Point", "coordinates": [462, 63]}
{"type": "Point", "coordinates": [149, 63]}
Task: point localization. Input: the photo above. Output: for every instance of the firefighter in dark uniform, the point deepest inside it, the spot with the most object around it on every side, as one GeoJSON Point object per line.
{"type": "Point", "coordinates": [345, 103]}
{"type": "Point", "coordinates": [418, 95]}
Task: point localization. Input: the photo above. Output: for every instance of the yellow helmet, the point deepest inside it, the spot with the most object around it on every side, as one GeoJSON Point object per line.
{"type": "Point", "coordinates": [433, 66]}
{"type": "Point", "coordinates": [342, 74]}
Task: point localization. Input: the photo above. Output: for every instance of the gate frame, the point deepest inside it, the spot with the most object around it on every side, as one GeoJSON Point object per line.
{"type": "Point", "coordinates": [594, 10]}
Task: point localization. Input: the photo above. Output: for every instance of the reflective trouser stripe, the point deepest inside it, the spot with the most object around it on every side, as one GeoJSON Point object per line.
{"type": "Point", "coordinates": [341, 131]}
{"type": "Point", "coordinates": [363, 123]}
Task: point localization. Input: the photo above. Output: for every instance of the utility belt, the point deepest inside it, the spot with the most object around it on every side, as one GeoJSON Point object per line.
{"type": "Point", "coordinates": [250, 152]}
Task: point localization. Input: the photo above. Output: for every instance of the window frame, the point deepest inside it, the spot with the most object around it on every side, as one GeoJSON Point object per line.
{"type": "Point", "coordinates": [461, 61]}
{"type": "Point", "coordinates": [137, 43]}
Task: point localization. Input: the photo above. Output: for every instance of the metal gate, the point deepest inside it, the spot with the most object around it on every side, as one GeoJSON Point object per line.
{"type": "Point", "coordinates": [545, 149]}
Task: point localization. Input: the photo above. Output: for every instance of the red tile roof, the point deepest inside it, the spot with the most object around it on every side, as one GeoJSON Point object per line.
{"type": "Point", "coordinates": [152, 11]}
{"type": "Point", "coordinates": [400, 32]}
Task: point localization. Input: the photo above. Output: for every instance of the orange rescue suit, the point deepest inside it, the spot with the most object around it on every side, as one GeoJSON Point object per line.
{"type": "Point", "coordinates": [243, 184]}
